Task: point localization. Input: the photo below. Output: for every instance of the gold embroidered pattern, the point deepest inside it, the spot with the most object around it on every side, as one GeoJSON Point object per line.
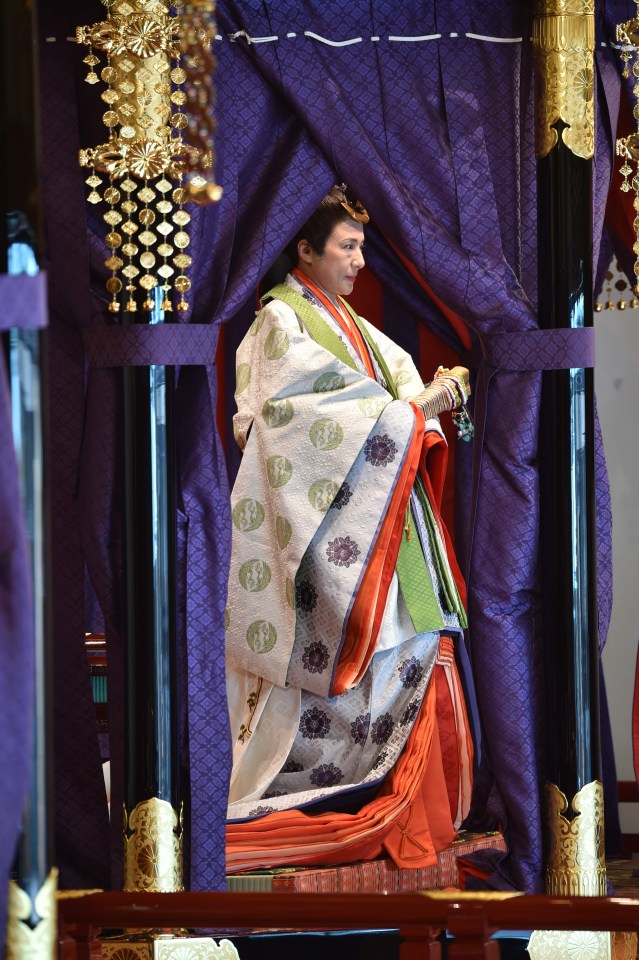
{"type": "Point", "coordinates": [153, 848]}
{"type": "Point", "coordinates": [564, 43]}
{"type": "Point", "coordinates": [576, 863]}
{"type": "Point", "coordinates": [24, 942]}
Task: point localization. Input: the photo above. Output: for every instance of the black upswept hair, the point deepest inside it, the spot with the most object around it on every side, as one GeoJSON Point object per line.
{"type": "Point", "coordinates": [316, 230]}
{"type": "Point", "coordinates": [320, 224]}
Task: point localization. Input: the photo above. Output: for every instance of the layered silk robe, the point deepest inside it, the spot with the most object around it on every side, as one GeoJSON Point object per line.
{"type": "Point", "coordinates": [350, 735]}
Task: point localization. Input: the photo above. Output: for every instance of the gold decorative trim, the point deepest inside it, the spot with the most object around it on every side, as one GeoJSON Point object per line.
{"type": "Point", "coordinates": [24, 942]}
{"type": "Point", "coordinates": [197, 36]}
{"type": "Point", "coordinates": [564, 44]}
{"type": "Point", "coordinates": [576, 864]}
{"type": "Point", "coordinates": [582, 945]}
{"type": "Point", "coordinates": [192, 948]}
{"type": "Point", "coordinates": [126, 950]}
{"type": "Point", "coordinates": [484, 895]}
{"type": "Point", "coordinates": [628, 147]}
{"type": "Point", "coordinates": [154, 946]}
{"type": "Point", "coordinates": [565, 8]}
{"type": "Point", "coordinates": [157, 107]}
{"type": "Point", "coordinates": [153, 848]}
{"type": "Point", "coordinates": [76, 894]}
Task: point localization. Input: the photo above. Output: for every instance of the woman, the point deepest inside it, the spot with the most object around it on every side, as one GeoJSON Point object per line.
{"type": "Point", "coordinates": [343, 598]}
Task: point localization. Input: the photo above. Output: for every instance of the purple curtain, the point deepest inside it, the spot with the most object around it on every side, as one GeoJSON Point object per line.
{"type": "Point", "coordinates": [435, 135]}
{"type": "Point", "coordinates": [87, 462]}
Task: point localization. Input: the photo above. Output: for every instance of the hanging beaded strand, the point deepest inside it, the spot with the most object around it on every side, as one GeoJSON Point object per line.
{"type": "Point", "coordinates": [144, 155]}
{"type": "Point", "coordinates": [628, 147]}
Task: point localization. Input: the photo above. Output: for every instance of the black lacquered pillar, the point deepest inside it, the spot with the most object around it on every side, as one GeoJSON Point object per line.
{"type": "Point", "coordinates": [31, 919]}
{"type": "Point", "coordinates": [153, 830]}
{"type": "Point", "coordinates": [563, 36]}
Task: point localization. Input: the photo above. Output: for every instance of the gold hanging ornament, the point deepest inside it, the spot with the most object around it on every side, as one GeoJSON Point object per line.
{"type": "Point", "coordinates": [145, 157]}
{"type": "Point", "coordinates": [197, 98]}
{"type": "Point", "coordinates": [628, 147]}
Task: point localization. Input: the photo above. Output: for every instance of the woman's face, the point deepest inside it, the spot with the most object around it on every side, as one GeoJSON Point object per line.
{"type": "Point", "coordinates": [336, 269]}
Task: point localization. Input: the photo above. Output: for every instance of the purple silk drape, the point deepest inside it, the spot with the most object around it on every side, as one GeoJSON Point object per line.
{"type": "Point", "coordinates": [435, 135]}
{"type": "Point", "coordinates": [86, 432]}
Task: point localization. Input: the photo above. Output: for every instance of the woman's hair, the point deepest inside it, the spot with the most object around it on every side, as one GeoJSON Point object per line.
{"type": "Point", "coordinates": [334, 208]}
{"type": "Point", "coordinates": [320, 224]}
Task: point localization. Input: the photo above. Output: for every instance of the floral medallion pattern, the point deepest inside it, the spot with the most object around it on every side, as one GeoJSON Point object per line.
{"type": "Point", "coordinates": [409, 714]}
{"type": "Point", "coordinates": [360, 726]}
{"type": "Point", "coordinates": [326, 775]}
{"type": "Point", "coordinates": [314, 724]}
{"type": "Point", "coordinates": [410, 673]}
{"type": "Point", "coordinates": [380, 450]}
{"type": "Point", "coordinates": [344, 494]}
{"type": "Point", "coordinates": [292, 766]}
{"type": "Point", "coordinates": [382, 728]}
{"type": "Point", "coordinates": [342, 551]}
{"type": "Point", "coordinates": [305, 596]}
{"type": "Point", "coordinates": [315, 657]}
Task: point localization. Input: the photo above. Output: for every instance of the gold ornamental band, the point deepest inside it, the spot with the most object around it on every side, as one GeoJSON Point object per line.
{"type": "Point", "coordinates": [24, 942]}
{"type": "Point", "coordinates": [566, 8]}
{"type": "Point", "coordinates": [564, 44]}
{"type": "Point", "coordinates": [153, 848]}
{"type": "Point", "coordinates": [576, 865]}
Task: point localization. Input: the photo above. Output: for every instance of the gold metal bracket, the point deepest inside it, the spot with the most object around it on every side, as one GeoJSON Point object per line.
{"type": "Point", "coordinates": [564, 45]}
{"type": "Point", "coordinates": [152, 946]}
{"type": "Point", "coordinates": [24, 942]}
{"type": "Point", "coordinates": [576, 866]}
{"type": "Point", "coordinates": [153, 848]}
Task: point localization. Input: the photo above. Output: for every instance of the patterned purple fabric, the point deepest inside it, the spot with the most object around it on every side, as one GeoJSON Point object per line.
{"type": "Point", "coordinates": [464, 213]}
{"type": "Point", "coordinates": [173, 344]}
{"type": "Point", "coordinates": [540, 349]}
{"type": "Point", "coordinates": [17, 651]}
{"type": "Point", "coordinates": [417, 128]}
{"type": "Point", "coordinates": [86, 436]}
{"type": "Point", "coordinates": [23, 301]}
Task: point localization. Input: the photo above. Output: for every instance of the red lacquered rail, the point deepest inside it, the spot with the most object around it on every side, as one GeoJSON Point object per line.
{"type": "Point", "coordinates": [419, 919]}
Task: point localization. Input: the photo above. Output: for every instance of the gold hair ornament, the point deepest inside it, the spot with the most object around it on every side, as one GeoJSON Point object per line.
{"type": "Point", "coordinates": [628, 147]}
{"type": "Point", "coordinates": [147, 156]}
{"type": "Point", "coordinates": [356, 209]}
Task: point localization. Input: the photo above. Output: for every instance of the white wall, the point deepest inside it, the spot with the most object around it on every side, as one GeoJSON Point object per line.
{"type": "Point", "coordinates": [617, 389]}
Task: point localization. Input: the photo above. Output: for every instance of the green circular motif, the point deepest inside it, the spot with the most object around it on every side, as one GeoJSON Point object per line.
{"type": "Point", "coordinates": [283, 531]}
{"type": "Point", "coordinates": [248, 514]}
{"type": "Point", "coordinates": [326, 434]}
{"type": "Point", "coordinates": [276, 344]}
{"type": "Point", "coordinates": [322, 493]}
{"type": "Point", "coordinates": [255, 575]}
{"type": "Point", "coordinates": [371, 406]}
{"type": "Point", "coordinates": [279, 470]}
{"type": "Point", "coordinates": [328, 382]}
{"type": "Point", "coordinates": [257, 324]}
{"type": "Point", "coordinates": [401, 377]}
{"type": "Point", "coordinates": [290, 593]}
{"type": "Point", "coordinates": [242, 377]}
{"type": "Point", "coordinates": [277, 413]}
{"type": "Point", "coordinates": [261, 636]}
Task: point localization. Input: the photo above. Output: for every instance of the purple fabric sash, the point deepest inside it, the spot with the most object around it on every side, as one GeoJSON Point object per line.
{"type": "Point", "coordinates": [527, 350]}
{"type": "Point", "coordinates": [23, 301]}
{"type": "Point", "coordinates": [184, 344]}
